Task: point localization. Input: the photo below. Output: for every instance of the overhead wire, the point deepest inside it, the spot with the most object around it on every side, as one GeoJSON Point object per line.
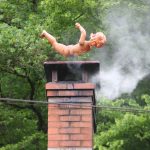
{"type": "Point", "coordinates": [67, 104]}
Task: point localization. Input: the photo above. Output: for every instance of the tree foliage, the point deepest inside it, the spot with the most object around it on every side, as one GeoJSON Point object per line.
{"type": "Point", "coordinates": [22, 53]}
{"type": "Point", "coordinates": [124, 131]}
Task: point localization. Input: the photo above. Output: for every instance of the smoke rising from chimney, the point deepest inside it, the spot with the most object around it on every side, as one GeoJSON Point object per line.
{"type": "Point", "coordinates": [127, 60]}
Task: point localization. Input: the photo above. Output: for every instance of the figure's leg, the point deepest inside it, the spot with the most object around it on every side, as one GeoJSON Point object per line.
{"type": "Point", "coordinates": [48, 36]}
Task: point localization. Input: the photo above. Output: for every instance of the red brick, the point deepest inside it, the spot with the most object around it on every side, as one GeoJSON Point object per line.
{"type": "Point", "coordinates": [53, 130]}
{"type": "Point", "coordinates": [52, 93]}
{"type": "Point", "coordinates": [69, 130]}
{"type": "Point", "coordinates": [86, 105]}
{"type": "Point", "coordinates": [86, 130]}
{"type": "Point", "coordinates": [55, 86]}
{"type": "Point", "coordinates": [86, 118]}
{"type": "Point", "coordinates": [58, 99]}
{"type": "Point", "coordinates": [68, 106]}
{"type": "Point", "coordinates": [58, 112]}
{"type": "Point", "coordinates": [54, 144]}
{"type": "Point", "coordinates": [85, 93]}
{"type": "Point", "coordinates": [58, 124]}
{"type": "Point", "coordinates": [69, 118]}
{"type": "Point", "coordinates": [82, 137]}
{"type": "Point", "coordinates": [69, 143]}
{"type": "Point", "coordinates": [68, 93]}
{"type": "Point", "coordinates": [87, 143]}
{"type": "Point", "coordinates": [81, 111]}
{"type": "Point", "coordinates": [53, 118]}
{"type": "Point", "coordinates": [84, 86]}
{"type": "Point", "coordinates": [70, 86]}
{"type": "Point", "coordinates": [81, 124]}
{"type": "Point", "coordinates": [60, 137]}
{"type": "Point", "coordinates": [52, 106]}
{"type": "Point", "coordinates": [83, 99]}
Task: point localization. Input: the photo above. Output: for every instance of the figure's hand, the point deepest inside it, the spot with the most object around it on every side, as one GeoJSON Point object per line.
{"type": "Point", "coordinates": [77, 25]}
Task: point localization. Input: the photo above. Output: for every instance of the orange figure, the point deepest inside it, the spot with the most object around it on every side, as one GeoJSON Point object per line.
{"type": "Point", "coordinates": [98, 40]}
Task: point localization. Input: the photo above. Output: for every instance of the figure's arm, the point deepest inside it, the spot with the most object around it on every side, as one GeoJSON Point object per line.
{"type": "Point", "coordinates": [83, 33]}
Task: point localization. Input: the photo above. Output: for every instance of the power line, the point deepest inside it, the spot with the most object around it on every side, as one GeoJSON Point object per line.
{"type": "Point", "coordinates": [23, 100]}
{"type": "Point", "coordinates": [105, 107]}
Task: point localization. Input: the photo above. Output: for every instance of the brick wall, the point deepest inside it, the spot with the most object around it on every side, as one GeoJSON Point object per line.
{"type": "Point", "coordinates": [70, 126]}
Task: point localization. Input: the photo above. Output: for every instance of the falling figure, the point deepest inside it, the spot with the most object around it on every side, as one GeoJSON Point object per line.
{"type": "Point", "coordinates": [98, 40]}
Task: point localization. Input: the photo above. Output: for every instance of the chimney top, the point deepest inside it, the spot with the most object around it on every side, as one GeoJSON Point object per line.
{"type": "Point", "coordinates": [71, 70]}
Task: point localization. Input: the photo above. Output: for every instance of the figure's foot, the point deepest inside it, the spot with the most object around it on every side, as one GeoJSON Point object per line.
{"type": "Point", "coordinates": [77, 25]}
{"type": "Point", "coordinates": [42, 34]}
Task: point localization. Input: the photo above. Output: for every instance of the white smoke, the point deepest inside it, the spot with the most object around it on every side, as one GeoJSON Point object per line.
{"type": "Point", "coordinates": [129, 36]}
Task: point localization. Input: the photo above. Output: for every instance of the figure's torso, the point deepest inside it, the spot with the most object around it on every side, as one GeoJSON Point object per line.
{"type": "Point", "coordinates": [72, 50]}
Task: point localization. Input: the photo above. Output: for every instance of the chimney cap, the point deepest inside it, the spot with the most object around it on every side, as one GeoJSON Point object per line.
{"type": "Point", "coordinates": [91, 67]}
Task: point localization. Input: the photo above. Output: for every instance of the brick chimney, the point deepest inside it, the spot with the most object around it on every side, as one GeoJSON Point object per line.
{"type": "Point", "coordinates": [71, 118]}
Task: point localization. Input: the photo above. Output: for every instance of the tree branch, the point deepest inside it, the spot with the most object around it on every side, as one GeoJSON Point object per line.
{"type": "Point", "coordinates": [35, 2]}
{"type": "Point", "coordinates": [41, 126]}
{"type": "Point", "coordinates": [40, 123]}
{"type": "Point", "coordinates": [78, 17]}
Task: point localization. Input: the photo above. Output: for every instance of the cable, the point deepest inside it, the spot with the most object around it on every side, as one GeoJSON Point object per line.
{"type": "Point", "coordinates": [23, 100]}
{"type": "Point", "coordinates": [77, 104]}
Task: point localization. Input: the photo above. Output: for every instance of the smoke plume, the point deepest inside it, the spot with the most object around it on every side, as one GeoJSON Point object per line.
{"type": "Point", "coordinates": [125, 60]}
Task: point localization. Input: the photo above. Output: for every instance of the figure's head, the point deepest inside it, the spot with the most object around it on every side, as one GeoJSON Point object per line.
{"type": "Point", "coordinates": [98, 39]}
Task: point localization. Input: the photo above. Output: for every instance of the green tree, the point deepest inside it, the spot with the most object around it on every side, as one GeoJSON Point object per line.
{"type": "Point", "coordinates": [22, 54]}
{"type": "Point", "coordinates": [124, 131]}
